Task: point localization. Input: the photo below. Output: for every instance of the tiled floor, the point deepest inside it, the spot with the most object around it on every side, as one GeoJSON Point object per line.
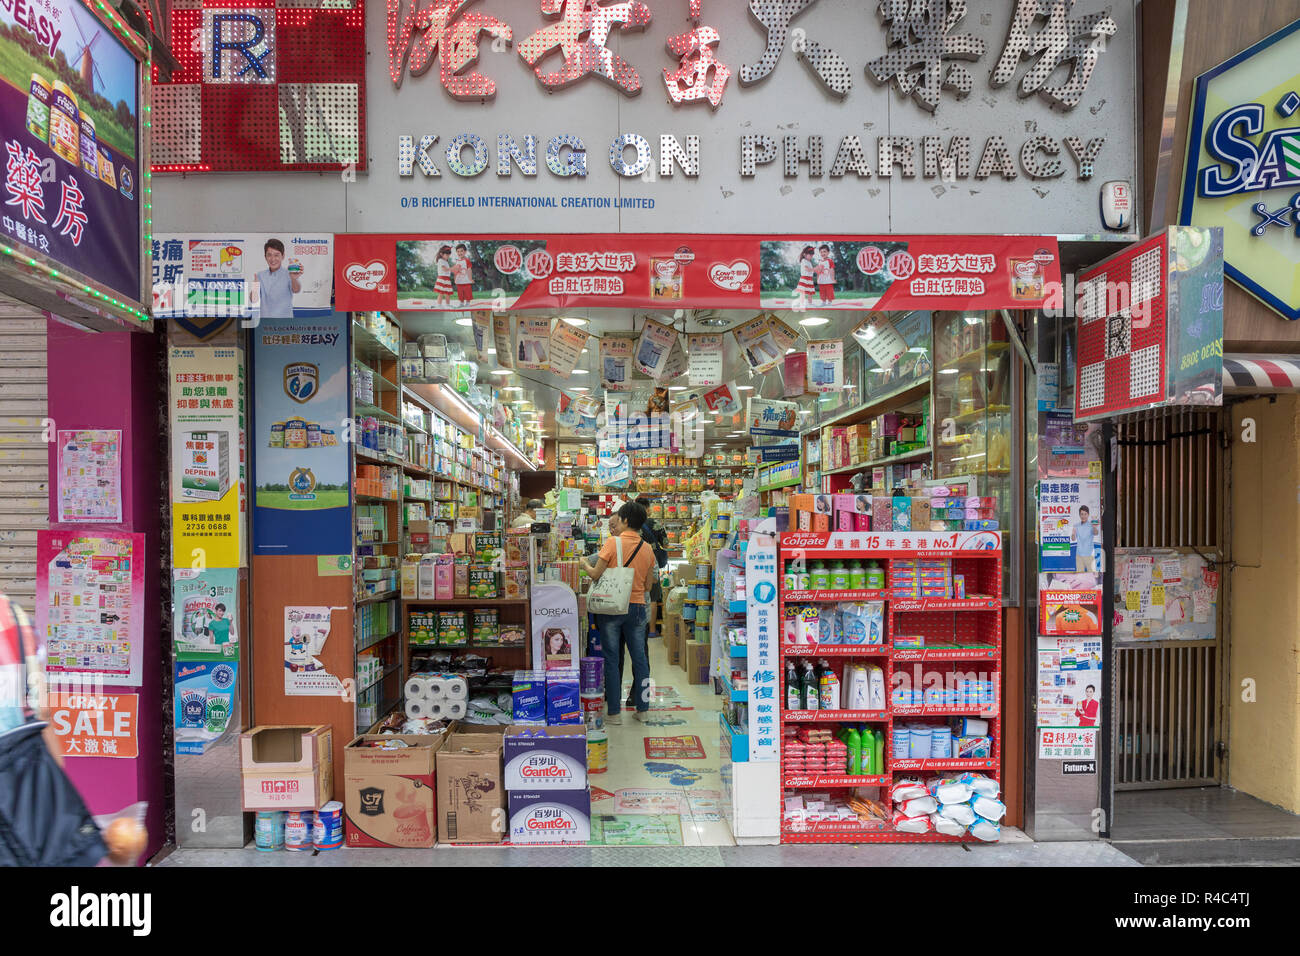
{"type": "Point", "coordinates": [686, 788]}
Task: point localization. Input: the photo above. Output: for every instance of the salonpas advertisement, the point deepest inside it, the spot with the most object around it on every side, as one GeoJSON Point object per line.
{"type": "Point", "coordinates": [206, 410]}
{"type": "Point", "coordinates": [301, 461]}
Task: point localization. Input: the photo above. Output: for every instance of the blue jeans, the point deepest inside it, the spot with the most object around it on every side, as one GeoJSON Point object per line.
{"type": "Point", "coordinates": [616, 631]}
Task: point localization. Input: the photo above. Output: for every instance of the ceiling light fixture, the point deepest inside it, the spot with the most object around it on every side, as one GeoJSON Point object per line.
{"type": "Point", "coordinates": [465, 321]}
{"type": "Point", "coordinates": [580, 371]}
{"type": "Point", "coordinates": [676, 388]}
{"type": "Point", "coordinates": [744, 388]}
{"type": "Point", "coordinates": [580, 388]}
{"type": "Point", "coordinates": [574, 320]}
{"type": "Point", "coordinates": [503, 371]}
{"type": "Point", "coordinates": [973, 319]}
{"type": "Point", "coordinates": [814, 320]}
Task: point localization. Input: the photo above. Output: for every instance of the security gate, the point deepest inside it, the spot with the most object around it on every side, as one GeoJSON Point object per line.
{"type": "Point", "coordinates": [1169, 694]}
{"type": "Point", "coordinates": [24, 453]}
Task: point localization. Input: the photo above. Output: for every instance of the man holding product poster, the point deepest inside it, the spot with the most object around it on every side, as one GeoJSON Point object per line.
{"type": "Point", "coordinates": [277, 283]}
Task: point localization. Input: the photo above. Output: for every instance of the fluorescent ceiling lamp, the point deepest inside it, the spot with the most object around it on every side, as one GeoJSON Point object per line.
{"type": "Point", "coordinates": [503, 371]}
{"type": "Point", "coordinates": [789, 351]}
{"type": "Point", "coordinates": [918, 349]}
{"type": "Point", "coordinates": [676, 388]}
{"type": "Point", "coordinates": [492, 352]}
{"type": "Point", "coordinates": [973, 319]}
{"type": "Point", "coordinates": [574, 320]}
{"type": "Point", "coordinates": [465, 321]}
{"type": "Point", "coordinates": [814, 320]}
{"type": "Point", "coordinates": [948, 371]}
{"type": "Point", "coordinates": [744, 388]}
{"type": "Point", "coordinates": [513, 388]}
{"type": "Point", "coordinates": [580, 371]}
{"type": "Point", "coordinates": [580, 388]}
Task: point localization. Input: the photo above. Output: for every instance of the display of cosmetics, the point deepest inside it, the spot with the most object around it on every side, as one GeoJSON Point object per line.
{"type": "Point", "coordinates": [856, 622]}
{"type": "Point", "coordinates": [843, 575]}
{"type": "Point", "coordinates": [821, 686]}
{"type": "Point", "coordinates": [954, 806]}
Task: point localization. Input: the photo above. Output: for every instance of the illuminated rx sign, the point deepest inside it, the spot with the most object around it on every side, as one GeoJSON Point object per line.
{"type": "Point", "coordinates": [237, 45]}
{"type": "Point", "coordinates": [1243, 167]}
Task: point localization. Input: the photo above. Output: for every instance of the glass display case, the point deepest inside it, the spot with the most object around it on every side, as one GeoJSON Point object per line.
{"type": "Point", "coordinates": [973, 411]}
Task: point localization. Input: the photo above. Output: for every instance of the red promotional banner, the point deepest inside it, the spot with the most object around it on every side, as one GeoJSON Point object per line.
{"type": "Point", "coordinates": [892, 273]}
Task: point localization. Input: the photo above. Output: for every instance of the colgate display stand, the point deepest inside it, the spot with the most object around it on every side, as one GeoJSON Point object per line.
{"type": "Point", "coordinates": [931, 630]}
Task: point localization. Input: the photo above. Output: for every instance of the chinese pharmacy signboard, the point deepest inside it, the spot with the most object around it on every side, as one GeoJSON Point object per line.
{"type": "Point", "coordinates": [70, 120]}
{"type": "Point", "coordinates": [639, 116]}
{"type": "Point", "coordinates": [1243, 167]}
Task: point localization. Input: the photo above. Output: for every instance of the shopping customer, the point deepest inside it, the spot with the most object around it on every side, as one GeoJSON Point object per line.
{"type": "Point", "coordinates": [653, 534]}
{"type": "Point", "coordinates": [630, 628]}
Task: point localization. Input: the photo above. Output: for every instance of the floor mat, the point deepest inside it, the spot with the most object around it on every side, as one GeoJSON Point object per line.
{"type": "Point", "coordinates": [687, 747]}
{"type": "Point", "coordinates": [608, 829]}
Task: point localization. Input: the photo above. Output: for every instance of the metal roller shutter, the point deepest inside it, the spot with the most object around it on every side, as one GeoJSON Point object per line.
{"type": "Point", "coordinates": [24, 454]}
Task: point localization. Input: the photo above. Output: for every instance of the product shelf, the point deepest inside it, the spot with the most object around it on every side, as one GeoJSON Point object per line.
{"type": "Point", "coordinates": [366, 344]}
{"type": "Point", "coordinates": [372, 456]}
{"type": "Point", "coordinates": [382, 596]}
{"type": "Point", "coordinates": [738, 650]}
{"type": "Point", "coordinates": [733, 740]}
{"type": "Point", "coordinates": [981, 603]}
{"type": "Point", "coordinates": [812, 597]}
{"type": "Point", "coordinates": [736, 607]}
{"type": "Point", "coordinates": [949, 633]}
{"type": "Point", "coordinates": [835, 650]}
{"type": "Point", "coordinates": [375, 499]}
{"type": "Point", "coordinates": [374, 411]}
{"type": "Point", "coordinates": [452, 602]}
{"type": "Point", "coordinates": [847, 716]}
{"type": "Point", "coordinates": [944, 711]}
{"type": "Point", "coordinates": [788, 483]}
{"type": "Point", "coordinates": [372, 641]}
{"type": "Point", "coordinates": [944, 654]}
{"type": "Point", "coordinates": [732, 692]}
{"type": "Point", "coordinates": [963, 763]}
{"type": "Point", "coordinates": [393, 669]}
{"type": "Point", "coordinates": [813, 781]}
{"type": "Point", "coordinates": [879, 462]}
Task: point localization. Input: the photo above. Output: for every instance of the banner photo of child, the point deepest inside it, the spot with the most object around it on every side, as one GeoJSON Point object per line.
{"type": "Point", "coordinates": [821, 273]}
{"type": "Point", "coordinates": [458, 273]}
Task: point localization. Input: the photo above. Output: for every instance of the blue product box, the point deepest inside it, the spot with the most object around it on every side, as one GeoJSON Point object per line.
{"type": "Point", "coordinates": [529, 698]}
{"type": "Point", "coordinates": [563, 704]}
{"type": "Point", "coordinates": [902, 513]}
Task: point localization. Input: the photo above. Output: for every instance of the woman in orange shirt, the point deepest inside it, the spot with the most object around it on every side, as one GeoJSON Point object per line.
{"type": "Point", "coordinates": [630, 628]}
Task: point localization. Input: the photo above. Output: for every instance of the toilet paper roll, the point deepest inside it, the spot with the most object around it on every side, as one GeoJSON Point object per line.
{"type": "Point", "coordinates": [457, 688]}
{"type": "Point", "coordinates": [455, 710]}
{"type": "Point", "coordinates": [435, 688]}
{"type": "Point", "coordinates": [434, 710]}
{"type": "Point", "coordinates": [416, 708]}
{"type": "Point", "coordinates": [414, 689]}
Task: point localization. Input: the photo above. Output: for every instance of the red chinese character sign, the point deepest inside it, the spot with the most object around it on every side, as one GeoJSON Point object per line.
{"type": "Point", "coordinates": [69, 119]}
{"type": "Point", "coordinates": [675, 271]}
{"type": "Point", "coordinates": [273, 85]}
{"type": "Point", "coordinates": [581, 37]}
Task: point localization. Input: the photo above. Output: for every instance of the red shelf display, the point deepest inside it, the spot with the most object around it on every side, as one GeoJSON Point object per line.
{"type": "Point", "coordinates": [954, 631]}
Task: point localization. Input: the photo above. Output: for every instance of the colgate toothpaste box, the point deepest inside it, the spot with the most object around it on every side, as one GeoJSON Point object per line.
{"type": "Point", "coordinates": [545, 758]}
{"type": "Point", "coordinates": [550, 816]}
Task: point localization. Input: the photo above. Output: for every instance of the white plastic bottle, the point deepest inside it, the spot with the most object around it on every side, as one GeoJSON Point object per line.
{"type": "Point", "coordinates": [829, 696]}
{"type": "Point", "coordinates": [876, 689]}
{"type": "Point", "coordinates": [858, 687]}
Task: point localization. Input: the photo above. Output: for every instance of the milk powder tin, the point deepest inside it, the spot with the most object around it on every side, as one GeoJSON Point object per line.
{"type": "Point", "coordinates": [65, 128]}
{"type": "Point", "coordinates": [277, 435]}
{"type": "Point", "coordinates": [106, 169]}
{"type": "Point", "coordinates": [313, 435]}
{"type": "Point", "coordinates": [597, 751]}
{"type": "Point", "coordinates": [295, 433]}
{"type": "Point", "coordinates": [297, 830]}
{"type": "Point", "coordinates": [327, 829]}
{"type": "Point", "coordinates": [89, 146]}
{"type": "Point", "coordinates": [38, 108]}
{"type": "Point", "coordinates": [269, 830]}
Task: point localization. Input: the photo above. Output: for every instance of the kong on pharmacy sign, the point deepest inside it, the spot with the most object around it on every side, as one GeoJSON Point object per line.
{"type": "Point", "coordinates": [1243, 167]}
{"type": "Point", "coordinates": [1009, 114]}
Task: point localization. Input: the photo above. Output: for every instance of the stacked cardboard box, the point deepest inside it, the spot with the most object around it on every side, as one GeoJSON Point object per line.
{"type": "Point", "coordinates": [546, 779]}
{"type": "Point", "coordinates": [695, 658]}
{"type": "Point", "coordinates": [389, 795]}
{"type": "Point", "coordinates": [471, 801]}
{"type": "Point", "coordinates": [286, 768]}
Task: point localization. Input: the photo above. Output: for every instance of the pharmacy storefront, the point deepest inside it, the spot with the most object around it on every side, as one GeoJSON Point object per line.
{"type": "Point", "coordinates": [811, 239]}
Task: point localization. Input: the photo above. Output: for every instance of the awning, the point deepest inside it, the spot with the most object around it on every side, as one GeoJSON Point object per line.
{"type": "Point", "coordinates": [1255, 374]}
